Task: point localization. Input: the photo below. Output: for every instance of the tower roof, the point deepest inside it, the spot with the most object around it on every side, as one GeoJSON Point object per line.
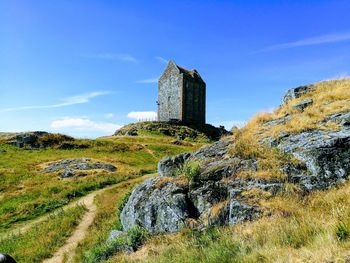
{"type": "Point", "coordinates": [190, 73]}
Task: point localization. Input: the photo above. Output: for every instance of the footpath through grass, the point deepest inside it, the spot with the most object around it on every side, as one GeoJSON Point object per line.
{"type": "Point", "coordinates": [43, 239]}
{"type": "Point", "coordinates": [27, 193]}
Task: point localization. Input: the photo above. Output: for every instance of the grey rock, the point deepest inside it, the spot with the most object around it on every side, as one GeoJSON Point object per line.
{"type": "Point", "coordinates": [296, 93]}
{"type": "Point", "coordinates": [2, 150]}
{"type": "Point", "coordinates": [233, 212]}
{"type": "Point", "coordinates": [282, 120]}
{"type": "Point", "coordinates": [33, 140]}
{"type": "Point", "coordinates": [216, 150]}
{"type": "Point", "coordinates": [168, 166]}
{"type": "Point", "coordinates": [113, 235]}
{"type": "Point", "coordinates": [207, 195]}
{"type": "Point", "coordinates": [326, 155]}
{"type": "Point", "coordinates": [156, 209]}
{"type": "Point", "coordinates": [303, 104]}
{"type": "Point", "coordinates": [167, 208]}
{"type": "Point", "coordinates": [67, 173]}
{"type": "Point", "coordinates": [131, 133]}
{"type": "Point", "coordinates": [340, 118]}
{"type": "Point", "coordinates": [217, 198]}
{"type": "Point", "coordinates": [239, 212]}
{"type": "Point", "coordinates": [78, 164]}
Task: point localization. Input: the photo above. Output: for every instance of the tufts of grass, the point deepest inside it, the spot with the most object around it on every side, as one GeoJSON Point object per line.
{"type": "Point", "coordinates": [329, 97]}
{"type": "Point", "coordinates": [312, 229]}
{"type": "Point", "coordinates": [27, 193]}
{"type": "Point", "coordinates": [270, 161]}
{"type": "Point", "coordinates": [131, 240]}
{"type": "Point", "coordinates": [109, 204]}
{"type": "Point", "coordinates": [190, 170]}
{"type": "Point", "coordinates": [43, 239]}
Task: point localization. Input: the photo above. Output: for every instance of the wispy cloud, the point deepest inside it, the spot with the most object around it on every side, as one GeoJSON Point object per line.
{"type": "Point", "coordinates": [112, 56]}
{"type": "Point", "coordinates": [142, 115]}
{"type": "Point", "coordinates": [84, 124]}
{"type": "Point", "coordinates": [109, 115]}
{"type": "Point", "coordinates": [79, 99]}
{"type": "Point", "coordinates": [318, 40]}
{"type": "Point", "coordinates": [147, 81]}
{"type": "Point", "coordinates": [161, 59]}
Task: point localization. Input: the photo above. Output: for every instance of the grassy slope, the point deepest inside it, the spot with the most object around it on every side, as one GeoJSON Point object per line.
{"type": "Point", "coordinates": [41, 241]}
{"type": "Point", "coordinates": [313, 229]}
{"type": "Point", "coordinates": [26, 193]}
{"type": "Point", "coordinates": [107, 218]}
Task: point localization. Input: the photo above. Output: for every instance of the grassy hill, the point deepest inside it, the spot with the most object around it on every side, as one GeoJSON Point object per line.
{"type": "Point", "coordinates": [182, 132]}
{"type": "Point", "coordinates": [298, 227]}
{"type": "Point", "coordinates": [295, 227]}
{"type": "Point", "coordinates": [27, 192]}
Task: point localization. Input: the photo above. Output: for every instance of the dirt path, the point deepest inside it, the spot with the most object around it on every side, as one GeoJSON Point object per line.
{"type": "Point", "coordinates": [66, 252]}
{"type": "Point", "coordinates": [79, 233]}
{"type": "Point", "coordinates": [28, 225]}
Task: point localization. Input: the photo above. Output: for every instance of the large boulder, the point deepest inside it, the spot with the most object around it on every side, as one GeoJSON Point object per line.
{"type": "Point", "coordinates": [157, 207]}
{"type": "Point", "coordinates": [296, 93]}
{"type": "Point", "coordinates": [326, 155]}
{"type": "Point", "coordinates": [168, 166]}
{"type": "Point", "coordinates": [218, 196]}
{"type": "Point", "coordinates": [163, 204]}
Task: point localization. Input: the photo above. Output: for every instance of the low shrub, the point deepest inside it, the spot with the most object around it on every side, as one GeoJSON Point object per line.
{"type": "Point", "coordinates": [190, 170]}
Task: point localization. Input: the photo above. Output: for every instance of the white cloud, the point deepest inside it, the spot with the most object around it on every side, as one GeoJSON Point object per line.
{"type": "Point", "coordinates": [112, 56]}
{"type": "Point", "coordinates": [161, 59]}
{"type": "Point", "coordinates": [318, 40]}
{"type": "Point", "coordinates": [79, 99]}
{"type": "Point", "coordinates": [147, 81]}
{"type": "Point", "coordinates": [85, 124]}
{"type": "Point", "coordinates": [142, 115]}
{"type": "Point", "coordinates": [109, 115]}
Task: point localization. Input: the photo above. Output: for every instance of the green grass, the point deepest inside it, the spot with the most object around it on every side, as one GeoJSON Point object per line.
{"type": "Point", "coordinates": [300, 229]}
{"type": "Point", "coordinates": [109, 204]}
{"type": "Point", "coordinates": [43, 239]}
{"type": "Point", "coordinates": [26, 193]}
{"type": "Point", "coordinates": [190, 170]}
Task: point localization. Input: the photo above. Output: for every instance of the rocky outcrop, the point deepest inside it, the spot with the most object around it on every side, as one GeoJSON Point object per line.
{"type": "Point", "coordinates": [70, 167]}
{"type": "Point", "coordinates": [180, 131]}
{"type": "Point", "coordinates": [218, 196]}
{"type": "Point", "coordinates": [162, 204]}
{"type": "Point", "coordinates": [37, 140]}
{"type": "Point", "coordinates": [296, 93]}
{"type": "Point", "coordinates": [303, 104]}
{"type": "Point", "coordinates": [326, 155]}
{"type": "Point", "coordinates": [157, 208]}
{"type": "Point", "coordinates": [169, 165]}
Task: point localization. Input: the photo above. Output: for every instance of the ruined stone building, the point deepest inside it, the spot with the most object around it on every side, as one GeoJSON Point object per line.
{"type": "Point", "coordinates": [181, 95]}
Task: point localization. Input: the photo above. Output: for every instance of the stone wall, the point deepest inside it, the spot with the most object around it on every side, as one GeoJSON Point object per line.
{"type": "Point", "coordinates": [170, 95]}
{"type": "Point", "coordinates": [181, 95]}
{"type": "Point", "coordinates": [194, 101]}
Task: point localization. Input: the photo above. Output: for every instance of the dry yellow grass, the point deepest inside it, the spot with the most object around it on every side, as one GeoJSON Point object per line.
{"type": "Point", "coordinates": [269, 161]}
{"type": "Point", "coordinates": [300, 229]}
{"type": "Point", "coordinates": [329, 97]}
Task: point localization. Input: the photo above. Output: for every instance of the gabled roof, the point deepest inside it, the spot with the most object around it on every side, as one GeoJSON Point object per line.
{"type": "Point", "coordinates": [191, 73]}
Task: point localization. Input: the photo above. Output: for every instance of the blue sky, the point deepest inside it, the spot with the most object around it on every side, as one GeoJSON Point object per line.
{"type": "Point", "coordinates": [87, 67]}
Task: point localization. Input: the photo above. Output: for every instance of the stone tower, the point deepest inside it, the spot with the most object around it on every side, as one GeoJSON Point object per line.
{"type": "Point", "coordinates": [181, 95]}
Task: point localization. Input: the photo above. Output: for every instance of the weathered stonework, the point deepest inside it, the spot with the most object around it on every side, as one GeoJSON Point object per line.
{"type": "Point", "coordinates": [181, 95]}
